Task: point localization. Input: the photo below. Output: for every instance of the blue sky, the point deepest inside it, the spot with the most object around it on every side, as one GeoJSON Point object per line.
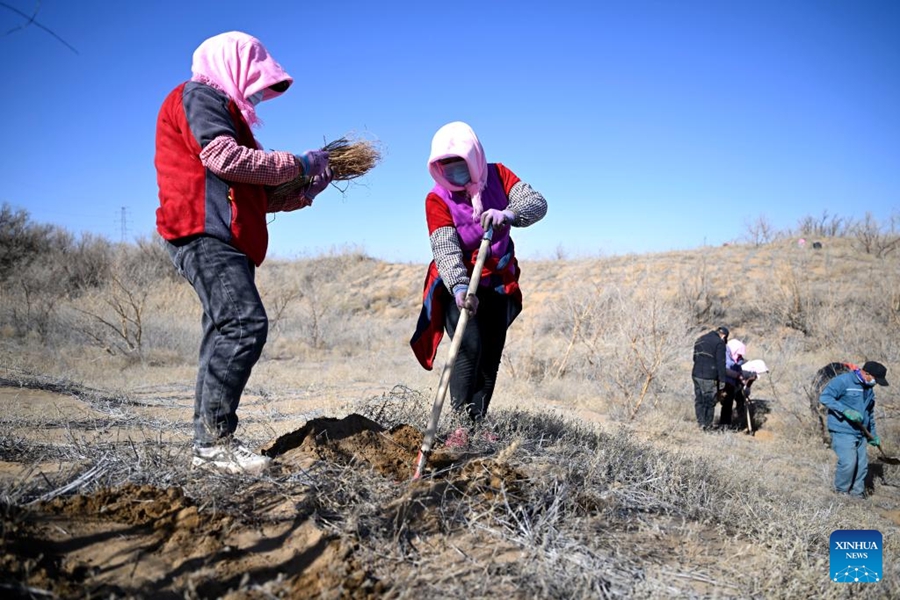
{"type": "Point", "coordinates": [647, 125]}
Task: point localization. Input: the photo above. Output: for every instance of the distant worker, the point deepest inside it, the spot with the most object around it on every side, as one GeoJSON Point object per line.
{"type": "Point", "coordinates": [850, 400]}
{"type": "Point", "coordinates": [709, 374]}
{"type": "Point", "coordinates": [736, 388]}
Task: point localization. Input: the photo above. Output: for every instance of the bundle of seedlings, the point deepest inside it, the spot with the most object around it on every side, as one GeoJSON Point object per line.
{"type": "Point", "coordinates": [349, 158]}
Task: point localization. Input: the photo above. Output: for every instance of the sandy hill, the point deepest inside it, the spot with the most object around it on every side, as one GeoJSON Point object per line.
{"type": "Point", "coordinates": [598, 483]}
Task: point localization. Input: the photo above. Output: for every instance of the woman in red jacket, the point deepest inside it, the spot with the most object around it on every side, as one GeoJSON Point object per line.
{"type": "Point", "coordinates": [213, 179]}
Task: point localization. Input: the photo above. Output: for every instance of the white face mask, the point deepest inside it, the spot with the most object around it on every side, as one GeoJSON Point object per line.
{"type": "Point", "coordinates": [864, 381]}
{"type": "Point", "coordinates": [457, 173]}
{"type": "Point", "coordinates": [255, 98]}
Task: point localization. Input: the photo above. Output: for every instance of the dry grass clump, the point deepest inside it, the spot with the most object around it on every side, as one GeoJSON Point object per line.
{"type": "Point", "coordinates": [349, 157]}
{"type": "Point", "coordinates": [602, 515]}
{"type": "Point", "coordinates": [555, 509]}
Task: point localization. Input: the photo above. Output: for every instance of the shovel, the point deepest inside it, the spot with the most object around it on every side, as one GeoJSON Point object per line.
{"type": "Point", "coordinates": [747, 406]}
{"type": "Point", "coordinates": [428, 442]}
{"type": "Point", "coordinates": [891, 460]}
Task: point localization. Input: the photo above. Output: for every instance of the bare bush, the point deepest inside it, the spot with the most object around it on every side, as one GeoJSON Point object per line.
{"type": "Point", "coordinates": [42, 266]}
{"type": "Point", "coordinates": [793, 305]}
{"type": "Point", "coordinates": [873, 238]}
{"type": "Point", "coordinates": [647, 336]}
{"type": "Point", "coordinates": [87, 263]}
{"type": "Point", "coordinates": [151, 259]}
{"type": "Point", "coordinates": [314, 312]}
{"type": "Point", "coordinates": [624, 341]}
{"type": "Point", "coordinates": [34, 301]}
{"type": "Point", "coordinates": [698, 297]}
{"type": "Point", "coordinates": [36, 286]}
{"type": "Point", "coordinates": [304, 302]}
{"type": "Point", "coordinates": [21, 241]}
{"type": "Point", "coordinates": [785, 299]}
{"type": "Point", "coordinates": [112, 317]}
{"type": "Point", "coordinates": [892, 296]}
{"type": "Point", "coordinates": [279, 295]}
{"type": "Point", "coordinates": [760, 230]}
{"type": "Point", "coordinates": [531, 360]}
{"type": "Point", "coordinates": [824, 226]}
{"type": "Point", "coordinates": [578, 318]}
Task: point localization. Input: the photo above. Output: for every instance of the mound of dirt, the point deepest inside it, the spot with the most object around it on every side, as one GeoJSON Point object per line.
{"type": "Point", "coordinates": [355, 440]}
{"type": "Point", "coordinates": [351, 440]}
{"type": "Point", "coordinates": [146, 541]}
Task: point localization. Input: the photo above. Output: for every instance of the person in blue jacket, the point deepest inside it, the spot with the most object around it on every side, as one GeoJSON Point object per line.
{"type": "Point", "coordinates": [850, 400]}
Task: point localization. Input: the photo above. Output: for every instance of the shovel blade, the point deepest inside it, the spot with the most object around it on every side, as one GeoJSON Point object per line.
{"type": "Point", "coordinates": [890, 460]}
{"type": "Point", "coordinates": [421, 459]}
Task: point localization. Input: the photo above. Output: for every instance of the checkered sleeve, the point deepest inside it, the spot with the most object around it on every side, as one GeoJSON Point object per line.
{"type": "Point", "coordinates": [233, 162]}
{"type": "Point", "coordinates": [448, 256]}
{"type": "Point", "coordinates": [528, 204]}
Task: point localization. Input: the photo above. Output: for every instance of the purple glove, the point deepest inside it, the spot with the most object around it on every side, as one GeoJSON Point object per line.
{"type": "Point", "coordinates": [318, 184]}
{"type": "Point", "coordinates": [496, 218]}
{"type": "Point", "coordinates": [314, 162]}
{"type": "Point", "coordinates": [462, 301]}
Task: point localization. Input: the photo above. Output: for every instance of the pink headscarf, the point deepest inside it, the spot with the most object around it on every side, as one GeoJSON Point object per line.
{"type": "Point", "coordinates": [737, 349]}
{"type": "Point", "coordinates": [239, 65]}
{"type": "Point", "coordinates": [458, 139]}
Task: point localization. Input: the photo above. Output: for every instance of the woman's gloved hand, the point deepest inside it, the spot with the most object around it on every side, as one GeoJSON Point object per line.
{"type": "Point", "coordinates": [313, 162]}
{"type": "Point", "coordinates": [463, 301]}
{"type": "Point", "coordinates": [496, 218]}
{"type": "Point", "coordinates": [319, 183]}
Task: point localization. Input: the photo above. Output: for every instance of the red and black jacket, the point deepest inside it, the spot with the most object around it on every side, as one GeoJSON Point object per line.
{"type": "Point", "coordinates": [194, 201]}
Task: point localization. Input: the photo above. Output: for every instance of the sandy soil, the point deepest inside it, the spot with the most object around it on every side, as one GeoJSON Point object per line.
{"type": "Point", "coordinates": [162, 543]}
{"type": "Point", "coordinates": [156, 541]}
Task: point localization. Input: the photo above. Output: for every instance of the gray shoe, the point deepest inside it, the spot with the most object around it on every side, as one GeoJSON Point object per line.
{"type": "Point", "coordinates": [230, 457]}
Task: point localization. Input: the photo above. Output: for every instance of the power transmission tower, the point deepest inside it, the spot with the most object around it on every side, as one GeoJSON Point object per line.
{"type": "Point", "coordinates": [124, 223]}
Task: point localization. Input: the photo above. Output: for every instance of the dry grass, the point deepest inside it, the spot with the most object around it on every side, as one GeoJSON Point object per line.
{"type": "Point", "coordinates": [617, 494]}
{"type": "Point", "coordinates": [579, 512]}
{"type": "Point", "coordinates": [349, 157]}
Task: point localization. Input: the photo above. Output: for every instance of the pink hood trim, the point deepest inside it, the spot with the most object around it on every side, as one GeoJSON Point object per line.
{"type": "Point", "coordinates": [737, 349]}
{"type": "Point", "coordinates": [458, 139]}
{"type": "Point", "coordinates": [238, 65]}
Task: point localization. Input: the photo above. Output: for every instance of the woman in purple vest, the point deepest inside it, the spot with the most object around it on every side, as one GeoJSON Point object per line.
{"type": "Point", "coordinates": [471, 195]}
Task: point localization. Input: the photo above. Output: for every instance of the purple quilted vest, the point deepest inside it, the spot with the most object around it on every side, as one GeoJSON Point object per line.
{"type": "Point", "coordinates": [469, 231]}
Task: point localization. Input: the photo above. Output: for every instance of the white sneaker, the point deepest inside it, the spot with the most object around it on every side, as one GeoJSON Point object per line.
{"type": "Point", "coordinates": [231, 457]}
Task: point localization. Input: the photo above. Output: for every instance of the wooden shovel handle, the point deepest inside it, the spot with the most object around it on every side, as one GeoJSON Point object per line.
{"type": "Point", "coordinates": [438, 405]}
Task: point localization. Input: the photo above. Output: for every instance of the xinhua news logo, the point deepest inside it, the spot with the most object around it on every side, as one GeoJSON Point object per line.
{"type": "Point", "coordinates": [856, 556]}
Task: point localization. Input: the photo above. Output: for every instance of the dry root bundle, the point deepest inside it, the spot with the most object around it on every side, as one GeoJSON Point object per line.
{"type": "Point", "coordinates": [348, 157]}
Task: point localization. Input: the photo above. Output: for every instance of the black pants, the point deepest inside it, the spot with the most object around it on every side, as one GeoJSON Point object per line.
{"type": "Point", "coordinates": [475, 372]}
{"type": "Point", "coordinates": [733, 398]}
{"type": "Point", "coordinates": [705, 391]}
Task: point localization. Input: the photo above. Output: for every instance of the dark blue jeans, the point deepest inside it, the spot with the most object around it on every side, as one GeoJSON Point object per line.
{"type": "Point", "coordinates": [475, 372]}
{"type": "Point", "coordinates": [235, 327]}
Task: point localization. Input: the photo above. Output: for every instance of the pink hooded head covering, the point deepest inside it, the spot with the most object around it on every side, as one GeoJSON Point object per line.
{"type": "Point", "coordinates": [238, 65]}
{"type": "Point", "coordinates": [458, 140]}
{"type": "Point", "coordinates": [737, 349]}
